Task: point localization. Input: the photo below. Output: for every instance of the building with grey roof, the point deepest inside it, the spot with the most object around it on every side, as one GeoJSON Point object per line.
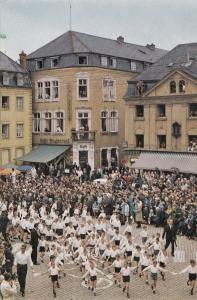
{"type": "Point", "coordinates": [78, 84]}
{"type": "Point", "coordinates": [15, 111]}
{"type": "Point", "coordinates": [161, 110]}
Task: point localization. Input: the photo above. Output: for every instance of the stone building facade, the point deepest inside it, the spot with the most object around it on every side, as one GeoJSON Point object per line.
{"type": "Point", "coordinates": [78, 85]}
{"type": "Point", "coordinates": [15, 111]}
{"type": "Point", "coordinates": [161, 104]}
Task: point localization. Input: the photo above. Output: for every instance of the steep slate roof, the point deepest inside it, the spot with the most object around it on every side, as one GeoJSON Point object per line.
{"type": "Point", "coordinates": [76, 42]}
{"type": "Point", "coordinates": [9, 65]}
{"type": "Point", "coordinates": [182, 57]}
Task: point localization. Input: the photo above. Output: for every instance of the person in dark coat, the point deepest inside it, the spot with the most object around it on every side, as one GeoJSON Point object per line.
{"type": "Point", "coordinates": [34, 243]}
{"type": "Point", "coordinates": [170, 234]}
{"type": "Point", "coordinates": [3, 224]}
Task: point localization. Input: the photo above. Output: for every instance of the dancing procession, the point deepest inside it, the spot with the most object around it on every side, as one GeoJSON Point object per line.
{"type": "Point", "coordinates": [64, 221]}
{"type": "Point", "coordinates": [98, 150]}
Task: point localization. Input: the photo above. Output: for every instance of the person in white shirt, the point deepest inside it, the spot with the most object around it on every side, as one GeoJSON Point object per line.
{"type": "Point", "coordinates": [192, 272]}
{"type": "Point", "coordinates": [92, 272]}
{"type": "Point", "coordinates": [162, 259]}
{"type": "Point", "coordinates": [8, 288]}
{"type": "Point", "coordinates": [126, 271]}
{"type": "Point", "coordinates": [22, 260]}
{"type": "Point", "coordinates": [53, 273]}
{"type": "Point", "coordinates": [117, 265]}
{"type": "Point", "coordinates": [154, 269]}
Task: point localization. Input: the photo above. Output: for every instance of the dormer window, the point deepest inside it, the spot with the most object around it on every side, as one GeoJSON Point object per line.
{"type": "Point", "coordinates": [19, 79]}
{"type": "Point", "coordinates": [39, 64]}
{"type": "Point", "coordinates": [54, 62]}
{"type": "Point", "coordinates": [83, 60]}
{"type": "Point", "coordinates": [104, 61]}
{"type": "Point", "coordinates": [6, 79]}
{"type": "Point", "coordinates": [133, 66]}
{"type": "Point", "coordinates": [112, 62]}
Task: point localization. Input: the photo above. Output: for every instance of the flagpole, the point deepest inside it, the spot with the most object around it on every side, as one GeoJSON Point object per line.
{"type": "Point", "coordinates": [70, 15]}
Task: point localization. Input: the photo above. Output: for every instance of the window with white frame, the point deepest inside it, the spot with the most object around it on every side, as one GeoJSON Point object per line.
{"type": "Point", "coordinates": [104, 121]}
{"type": "Point", "coordinates": [83, 120]}
{"type": "Point", "coordinates": [109, 90]}
{"type": "Point", "coordinates": [47, 122]}
{"type": "Point", "coordinates": [40, 90]}
{"type": "Point", "coordinates": [104, 61]}
{"type": "Point", "coordinates": [83, 89]}
{"type": "Point", "coordinates": [113, 121]}
{"type": "Point", "coordinates": [19, 130]}
{"type": "Point", "coordinates": [47, 89]}
{"type": "Point", "coordinates": [133, 66]}
{"type": "Point", "coordinates": [59, 122]}
{"type": "Point", "coordinates": [19, 103]}
{"type": "Point", "coordinates": [109, 121]}
{"type": "Point", "coordinates": [37, 122]}
{"type": "Point", "coordinates": [112, 62]}
{"type": "Point", "coordinates": [55, 89]}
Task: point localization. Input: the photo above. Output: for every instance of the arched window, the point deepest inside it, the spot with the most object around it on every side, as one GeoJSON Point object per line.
{"type": "Point", "coordinates": [181, 86]}
{"type": "Point", "coordinates": [172, 87]}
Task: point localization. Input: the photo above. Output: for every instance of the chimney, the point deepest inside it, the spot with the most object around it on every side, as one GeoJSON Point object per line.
{"type": "Point", "coordinates": [120, 39]}
{"type": "Point", "coordinates": [23, 60]}
{"type": "Point", "coordinates": [150, 46]}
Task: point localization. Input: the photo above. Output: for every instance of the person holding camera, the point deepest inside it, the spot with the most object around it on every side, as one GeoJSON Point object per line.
{"type": "Point", "coordinates": [8, 288]}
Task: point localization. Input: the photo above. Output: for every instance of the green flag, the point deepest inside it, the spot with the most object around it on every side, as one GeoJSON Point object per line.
{"type": "Point", "coordinates": [3, 36]}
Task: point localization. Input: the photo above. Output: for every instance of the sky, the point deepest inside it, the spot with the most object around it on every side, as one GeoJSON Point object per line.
{"type": "Point", "coordinates": [29, 24]}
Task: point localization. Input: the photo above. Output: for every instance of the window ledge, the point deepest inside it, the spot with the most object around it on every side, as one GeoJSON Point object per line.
{"type": "Point", "coordinates": [192, 118]}
{"type": "Point", "coordinates": [139, 119]}
{"type": "Point", "coordinates": [161, 118]}
{"type": "Point", "coordinates": [109, 100]}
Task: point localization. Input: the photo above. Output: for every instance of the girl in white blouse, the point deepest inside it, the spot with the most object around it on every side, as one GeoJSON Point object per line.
{"type": "Point", "coordinates": [92, 272]}
{"type": "Point", "coordinates": [192, 272]}
{"type": "Point", "coordinates": [154, 269]}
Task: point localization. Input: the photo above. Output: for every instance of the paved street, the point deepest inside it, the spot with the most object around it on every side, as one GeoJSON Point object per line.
{"type": "Point", "coordinates": [174, 288]}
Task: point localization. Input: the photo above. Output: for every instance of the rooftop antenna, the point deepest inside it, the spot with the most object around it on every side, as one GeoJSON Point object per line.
{"type": "Point", "coordinates": [70, 9]}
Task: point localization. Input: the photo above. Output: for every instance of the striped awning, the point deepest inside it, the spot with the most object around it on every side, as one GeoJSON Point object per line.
{"type": "Point", "coordinates": [44, 153]}
{"type": "Point", "coordinates": [185, 163]}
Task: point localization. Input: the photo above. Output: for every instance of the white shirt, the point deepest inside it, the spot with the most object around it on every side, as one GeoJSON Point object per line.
{"type": "Point", "coordinates": [23, 258]}
{"type": "Point", "coordinates": [190, 270]}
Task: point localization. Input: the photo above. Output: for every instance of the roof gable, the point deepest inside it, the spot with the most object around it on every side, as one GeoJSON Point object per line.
{"type": "Point", "coordinates": [183, 74]}
{"type": "Point", "coordinates": [9, 65]}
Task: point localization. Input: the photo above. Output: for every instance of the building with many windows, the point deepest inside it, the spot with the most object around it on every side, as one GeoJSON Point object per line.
{"type": "Point", "coordinates": [78, 84]}
{"type": "Point", "coordinates": [15, 111]}
{"type": "Point", "coordinates": [161, 104]}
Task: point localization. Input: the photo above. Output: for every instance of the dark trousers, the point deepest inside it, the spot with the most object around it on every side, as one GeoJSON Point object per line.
{"type": "Point", "coordinates": [34, 253]}
{"type": "Point", "coordinates": [22, 273]}
{"type": "Point", "coordinates": [168, 242]}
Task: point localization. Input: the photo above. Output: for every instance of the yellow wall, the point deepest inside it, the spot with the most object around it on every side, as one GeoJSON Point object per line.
{"type": "Point", "coordinates": [16, 146]}
{"type": "Point", "coordinates": [177, 110]}
{"type": "Point", "coordinates": [95, 103]}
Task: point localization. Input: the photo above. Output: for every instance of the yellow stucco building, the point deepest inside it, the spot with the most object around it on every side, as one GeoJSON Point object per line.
{"type": "Point", "coordinates": [15, 111]}
{"type": "Point", "coordinates": [78, 85]}
{"type": "Point", "coordinates": [161, 105]}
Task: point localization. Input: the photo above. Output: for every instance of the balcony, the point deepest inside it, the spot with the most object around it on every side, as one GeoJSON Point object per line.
{"type": "Point", "coordinates": [83, 136]}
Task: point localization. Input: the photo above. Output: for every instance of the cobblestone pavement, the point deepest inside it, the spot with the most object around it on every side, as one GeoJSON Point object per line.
{"type": "Point", "coordinates": [174, 288]}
